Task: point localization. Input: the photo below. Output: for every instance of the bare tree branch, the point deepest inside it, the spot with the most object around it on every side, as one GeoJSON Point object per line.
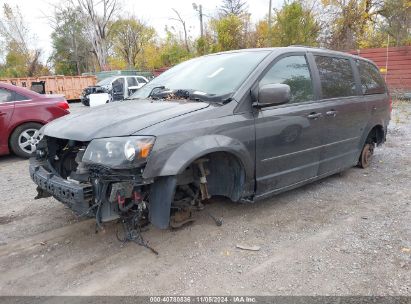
{"type": "Point", "coordinates": [183, 23]}
{"type": "Point", "coordinates": [98, 25]}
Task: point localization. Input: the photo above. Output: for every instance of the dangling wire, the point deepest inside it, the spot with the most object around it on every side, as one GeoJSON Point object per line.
{"type": "Point", "coordinates": [132, 233]}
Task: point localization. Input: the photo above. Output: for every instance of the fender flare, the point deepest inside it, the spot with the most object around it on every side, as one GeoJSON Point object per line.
{"type": "Point", "coordinates": [369, 127]}
{"type": "Point", "coordinates": [197, 147]}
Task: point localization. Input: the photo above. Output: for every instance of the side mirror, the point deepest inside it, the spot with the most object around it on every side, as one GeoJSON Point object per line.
{"type": "Point", "coordinates": [273, 94]}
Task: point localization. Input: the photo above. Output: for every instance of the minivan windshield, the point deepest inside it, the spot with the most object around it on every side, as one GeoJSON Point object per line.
{"type": "Point", "coordinates": [212, 75]}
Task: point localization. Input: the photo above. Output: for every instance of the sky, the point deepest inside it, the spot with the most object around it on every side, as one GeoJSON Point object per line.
{"type": "Point", "coordinates": [156, 13]}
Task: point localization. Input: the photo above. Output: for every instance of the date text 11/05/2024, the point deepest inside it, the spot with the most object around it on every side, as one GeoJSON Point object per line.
{"type": "Point", "coordinates": [203, 299]}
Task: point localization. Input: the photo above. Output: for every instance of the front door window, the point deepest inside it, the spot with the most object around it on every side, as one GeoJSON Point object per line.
{"type": "Point", "coordinates": [293, 71]}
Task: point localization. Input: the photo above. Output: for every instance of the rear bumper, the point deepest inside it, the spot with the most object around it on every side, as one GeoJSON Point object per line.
{"type": "Point", "coordinates": [76, 196]}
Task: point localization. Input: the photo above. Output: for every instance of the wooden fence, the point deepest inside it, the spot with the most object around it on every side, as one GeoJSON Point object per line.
{"type": "Point", "coordinates": [394, 64]}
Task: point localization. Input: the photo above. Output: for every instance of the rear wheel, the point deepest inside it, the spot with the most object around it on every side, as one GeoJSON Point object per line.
{"type": "Point", "coordinates": [366, 155]}
{"type": "Point", "coordinates": [24, 139]}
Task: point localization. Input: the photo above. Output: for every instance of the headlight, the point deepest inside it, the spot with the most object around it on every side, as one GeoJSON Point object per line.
{"type": "Point", "coordinates": [119, 152]}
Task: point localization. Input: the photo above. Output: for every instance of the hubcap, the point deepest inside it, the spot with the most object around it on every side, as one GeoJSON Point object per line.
{"type": "Point", "coordinates": [28, 140]}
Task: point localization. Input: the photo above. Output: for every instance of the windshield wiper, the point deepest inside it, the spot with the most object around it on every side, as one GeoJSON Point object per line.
{"type": "Point", "coordinates": [162, 93]}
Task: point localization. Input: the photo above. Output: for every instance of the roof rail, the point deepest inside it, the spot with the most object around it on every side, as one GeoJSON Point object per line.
{"type": "Point", "coordinates": [305, 46]}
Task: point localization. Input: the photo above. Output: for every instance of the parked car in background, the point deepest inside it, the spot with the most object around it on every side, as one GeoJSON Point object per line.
{"type": "Point", "coordinates": [244, 124]}
{"type": "Point", "coordinates": [22, 114]}
{"type": "Point", "coordinates": [112, 89]}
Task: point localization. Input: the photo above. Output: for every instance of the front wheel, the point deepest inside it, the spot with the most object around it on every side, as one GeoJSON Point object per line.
{"type": "Point", "coordinates": [24, 139]}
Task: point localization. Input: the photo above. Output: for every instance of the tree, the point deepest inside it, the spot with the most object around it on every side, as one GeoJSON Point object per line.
{"type": "Point", "coordinates": [349, 21]}
{"type": "Point", "coordinates": [397, 21]}
{"type": "Point", "coordinates": [172, 50]}
{"type": "Point", "coordinates": [99, 15]}
{"type": "Point", "coordinates": [129, 37]}
{"type": "Point", "coordinates": [151, 57]}
{"type": "Point", "coordinates": [72, 51]}
{"type": "Point", "coordinates": [294, 24]}
{"type": "Point", "coordinates": [229, 32]}
{"type": "Point", "coordinates": [183, 23]}
{"type": "Point", "coordinates": [233, 7]}
{"type": "Point", "coordinates": [21, 58]}
{"type": "Point", "coordinates": [261, 34]}
{"type": "Point", "coordinates": [206, 44]}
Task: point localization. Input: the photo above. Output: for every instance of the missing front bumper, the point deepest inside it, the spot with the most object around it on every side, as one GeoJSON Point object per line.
{"type": "Point", "coordinates": [76, 196]}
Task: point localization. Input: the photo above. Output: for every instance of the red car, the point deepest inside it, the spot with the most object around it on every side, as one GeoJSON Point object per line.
{"type": "Point", "coordinates": [22, 114]}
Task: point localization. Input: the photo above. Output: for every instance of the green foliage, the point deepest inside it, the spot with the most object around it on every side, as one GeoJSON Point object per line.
{"type": "Point", "coordinates": [21, 58]}
{"type": "Point", "coordinates": [206, 45]}
{"type": "Point", "coordinates": [173, 51]}
{"type": "Point", "coordinates": [16, 64]}
{"type": "Point", "coordinates": [397, 23]}
{"type": "Point", "coordinates": [72, 51]}
{"type": "Point", "coordinates": [150, 58]}
{"type": "Point", "coordinates": [229, 32]}
{"type": "Point", "coordinates": [261, 34]}
{"type": "Point", "coordinates": [294, 24]}
{"type": "Point", "coordinates": [129, 37]}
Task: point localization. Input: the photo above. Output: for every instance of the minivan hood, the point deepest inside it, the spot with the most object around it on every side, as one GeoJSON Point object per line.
{"type": "Point", "coordinates": [118, 119]}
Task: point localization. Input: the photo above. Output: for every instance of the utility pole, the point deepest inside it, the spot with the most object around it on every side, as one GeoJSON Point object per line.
{"type": "Point", "coordinates": [201, 20]}
{"type": "Point", "coordinates": [269, 21]}
{"type": "Point", "coordinates": [199, 9]}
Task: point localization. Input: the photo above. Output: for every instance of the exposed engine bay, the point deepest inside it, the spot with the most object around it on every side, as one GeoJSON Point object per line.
{"type": "Point", "coordinates": [107, 194]}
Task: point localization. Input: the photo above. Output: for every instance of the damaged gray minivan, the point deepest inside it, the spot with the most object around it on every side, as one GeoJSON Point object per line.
{"type": "Point", "coordinates": [244, 124]}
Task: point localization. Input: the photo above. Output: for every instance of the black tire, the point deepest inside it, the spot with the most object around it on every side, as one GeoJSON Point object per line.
{"type": "Point", "coordinates": [15, 137]}
{"type": "Point", "coordinates": [85, 102]}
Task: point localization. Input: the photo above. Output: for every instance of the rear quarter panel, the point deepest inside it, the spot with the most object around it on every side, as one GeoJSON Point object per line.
{"type": "Point", "coordinates": [380, 109]}
{"type": "Point", "coordinates": [35, 110]}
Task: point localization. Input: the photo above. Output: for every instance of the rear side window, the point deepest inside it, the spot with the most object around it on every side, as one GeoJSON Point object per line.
{"type": "Point", "coordinates": [293, 71]}
{"type": "Point", "coordinates": [371, 80]}
{"type": "Point", "coordinates": [131, 81]}
{"type": "Point", "coordinates": [5, 95]}
{"type": "Point", "coordinates": [141, 80]}
{"type": "Point", "coordinates": [336, 76]}
{"type": "Point", "coordinates": [18, 97]}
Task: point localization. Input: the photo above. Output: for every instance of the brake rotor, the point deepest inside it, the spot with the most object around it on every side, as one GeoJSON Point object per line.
{"type": "Point", "coordinates": [366, 155]}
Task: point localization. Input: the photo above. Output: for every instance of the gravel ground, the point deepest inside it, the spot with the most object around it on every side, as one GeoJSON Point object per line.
{"type": "Point", "coordinates": [348, 234]}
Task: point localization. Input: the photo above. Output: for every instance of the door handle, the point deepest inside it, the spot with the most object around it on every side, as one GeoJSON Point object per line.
{"type": "Point", "coordinates": [2, 114]}
{"type": "Point", "coordinates": [314, 115]}
{"type": "Point", "coordinates": [331, 113]}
